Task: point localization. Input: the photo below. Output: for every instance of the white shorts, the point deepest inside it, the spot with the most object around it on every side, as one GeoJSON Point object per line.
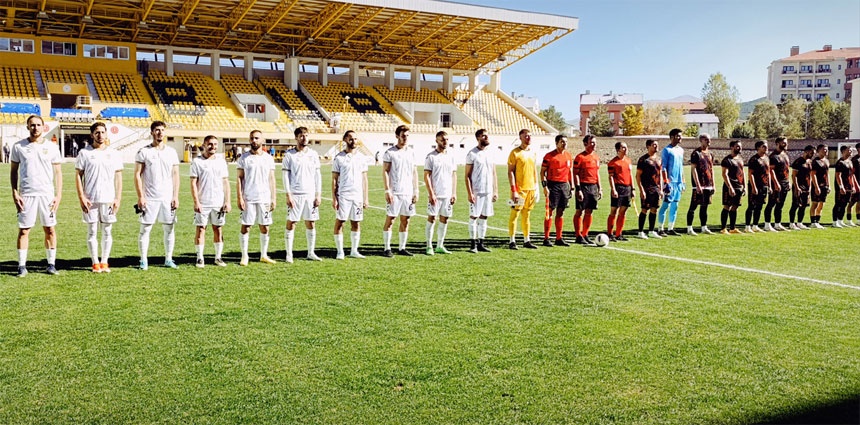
{"type": "Point", "coordinates": [256, 213]}
{"type": "Point", "coordinates": [304, 210]}
{"type": "Point", "coordinates": [483, 206]}
{"type": "Point", "coordinates": [401, 205]}
{"type": "Point", "coordinates": [443, 207]}
{"type": "Point", "coordinates": [158, 210]}
{"type": "Point", "coordinates": [349, 209]}
{"type": "Point", "coordinates": [33, 206]}
{"type": "Point", "coordinates": [210, 215]}
{"type": "Point", "coordinates": [100, 213]}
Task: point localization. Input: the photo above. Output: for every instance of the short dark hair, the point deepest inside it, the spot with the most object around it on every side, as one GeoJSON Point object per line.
{"type": "Point", "coordinates": [251, 134]}
{"type": "Point", "coordinates": [820, 147]}
{"type": "Point", "coordinates": [674, 132]}
{"type": "Point", "coordinates": [480, 132]}
{"type": "Point", "coordinates": [524, 131]}
{"type": "Point", "coordinates": [441, 133]}
{"type": "Point", "coordinates": [34, 116]}
{"type": "Point", "coordinates": [844, 148]}
{"type": "Point", "coordinates": [300, 130]}
{"type": "Point", "coordinates": [618, 146]}
{"type": "Point", "coordinates": [649, 142]}
{"type": "Point", "coordinates": [96, 125]}
{"type": "Point", "coordinates": [760, 143]}
{"type": "Point", "coordinates": [704, 136]}
{"type": "Point", "coordinates": [157, 123]}
{"type": "Point", "coordinates": [809, 148]}
{"type": "Point", "coordinates": [781, 139]}
{"type": "Point", "coordinates": [559, 137]}
{"type": "Point", "coordinates": [346, 134]}
{"type": "Point", "coordinates": [400, 129]}
{"type": "Point", "coordinates": [857, 146]}
{"type": "Point", "coordinates": [209, 137]}
{"type": "Point", "coordinates": [587, 138]}
{"type": "Point", "coordinates": [734, 143]}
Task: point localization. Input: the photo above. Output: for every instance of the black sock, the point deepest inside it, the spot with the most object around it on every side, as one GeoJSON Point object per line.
{"type": "Point", "coordinates": [748, 215]}
{"type": "Point", "coordinates": [800, 213]}
{"type": "Point", "coordinates": [767, 210]}
{"type": "Point", "coordinates": [724, 218]}
{"type": "Point", "coordinates": [642, 216]}
{"type": "Point", "coordinates": [691, 213]}
{"type": "Point", "coordinates": [792, 212]}
{"type": "Point", "coordinates": [703, 215]}
{"type": "Point", "coordinates": [652, 220]}
{"type": "Point", "coordinates": [777, 213]}
{"type": "Point", "coordinates": [733, 218]}
{"type": "Point", "coordinates": [848, 213]}
{"type": "Point", "coordinates": [756, 215]}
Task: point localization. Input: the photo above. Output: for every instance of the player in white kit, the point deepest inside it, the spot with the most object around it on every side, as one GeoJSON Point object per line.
{"type": "Point", "coordinates": [400, 177]}
{"type": "Point", "coordinates": [482, 188]}
{"type": "Point", "coordinates": [210, 190]}
{"type": "Point", "coordinates": [99, 185]}
{"type": "Point", "coordinates": [156, 180]}
{"type": "Point", "coordinates": [440, 177]}
{"type": "Point", "coordinates": [303, 184]}
{"type": "Point", "coordinates": [349, 194]}
{"type": "Point", "coordinates": [255, 189]}
{"type": "Point", "coordinates": [36, 166]}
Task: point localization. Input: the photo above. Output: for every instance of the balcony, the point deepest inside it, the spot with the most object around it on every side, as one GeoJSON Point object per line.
{"type": "Point", "coordinates": [789, 71]}
{"type": "Point", "coordinates": [822, 85]}
{"type": "Point", "coordinates": [787, 87]}
{"type": "Point", "coordinates": [823, 71]}
{"type": "Point", "coordinates": [805, 86]}
{"type": "Point", "coordinates": [806, 71]}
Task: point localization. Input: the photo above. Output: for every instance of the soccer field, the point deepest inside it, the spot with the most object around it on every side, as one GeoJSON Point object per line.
{"type": "Point", "coordinates": [768, 330]}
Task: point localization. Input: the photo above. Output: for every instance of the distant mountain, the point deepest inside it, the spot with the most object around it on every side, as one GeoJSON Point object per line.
{"type": "Point", "coordinates": [747, 107]}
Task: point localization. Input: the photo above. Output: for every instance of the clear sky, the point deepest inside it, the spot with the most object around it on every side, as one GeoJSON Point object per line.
{"type": "Point", "coordinates": [668, 48]}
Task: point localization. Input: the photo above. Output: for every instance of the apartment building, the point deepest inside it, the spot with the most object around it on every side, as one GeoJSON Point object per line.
{"type": "Point", "coordinates": [813, 75]}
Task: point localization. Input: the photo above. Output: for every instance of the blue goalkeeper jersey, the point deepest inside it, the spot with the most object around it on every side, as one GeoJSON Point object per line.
{"type": "Point", "coordinates": [673, 162]}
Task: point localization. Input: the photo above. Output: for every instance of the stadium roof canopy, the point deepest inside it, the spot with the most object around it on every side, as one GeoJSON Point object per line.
{"type": "Point", "coordinates": [425, 33]}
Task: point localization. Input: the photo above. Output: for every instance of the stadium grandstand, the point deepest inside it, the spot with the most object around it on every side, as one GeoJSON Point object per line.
{"type": "Point", "coordinates": [224, 68]}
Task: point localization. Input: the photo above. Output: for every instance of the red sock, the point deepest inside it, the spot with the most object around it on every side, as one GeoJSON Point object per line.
{"type": "Point", "coordinates": [577, 224]}
{"type": "Point", "coordinates": [610, 223]}
{"type": "Point", "coordinates": [586, 225]}
{"type": "Point", "coordinates": [619, 226]}
{"type": "Point", "coordinates": [547, 223]}
{"type": "Point", "coordinates": [559, 227]}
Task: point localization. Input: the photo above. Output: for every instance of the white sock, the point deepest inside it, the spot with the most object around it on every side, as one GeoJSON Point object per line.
{"type": "Point", "coordinates": [428, 233]}
{"type": "Point", "coordinates": [243, 244]}
{"type": "Point", "coordinates": [354, 238]}
{"type": "Point", "coordinates": [22, 257]}
{"type": "Point", "coordinates": [93, 242]}
{"type": "Point", "coordinates": [51, 253]}
{"type": "Point", "coordinates": [514, 239]}
{"type": "Point", "coordinates": [107, 241]}
{"type": "Point", "coordinates": [169, 241]}
{"type": "Point", "coordinates": [338, 243]}
{"type": "Point", "coordinates": [482, 228]}
{"type": "Point", "coordinates": [443, 230]}
{"type": "Point", "coordinates": [199, 250]}
{"type": "Point", "coordinates": [219, 248]}
{"type": "Point", "coordinates": [289, 236]}
{"type": "Point", "coordinates": [473, 228]}
{"type": "Point", "coordinates": [264, 245]}
{"type": "Point", "coordinates": [386, 239]}
{"type": "Point", "coordinates": [402, 237]}
{"type": "Point", "coordinates": [143, 241]}
{"type": "Point", "coordinates": [672, 226]}
{"type": "Point", "coordinates": [311, 236]}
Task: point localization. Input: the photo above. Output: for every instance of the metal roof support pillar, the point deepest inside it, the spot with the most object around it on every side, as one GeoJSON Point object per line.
{"type": "Point", "coordinates": [353, 74]}
{"type": "Point", "coordinates": [215, 65]}
{"type": "Point", "coordinates": [473, 81]}
{"type": "Point", "coordinates": [448, 81]}
{"type": "Point", "coordinates": [249, 67]}
{"type": "Point", "coordinates": [389, 77]}
{"type": "Point", "coordinates": [322, 72]}
{"type": "Point", "coordinates": [416, 78]}
{"type": "Point", "coordinates": [496, 81]}
{"type": "Point", "coordinates": [168, 61]}
{"type": "Point", "coordinates": [291, 73]}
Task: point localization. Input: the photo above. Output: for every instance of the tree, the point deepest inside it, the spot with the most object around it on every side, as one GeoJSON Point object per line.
{"type": "Point", "coordinates": [839, 120]}
{"type": "Point", "coordinates": [765, 120]}
{"type": "Point", "coordinates": [632, 121]}
{"type": "Point", "coordinates": [652, 121]}
{"type": "Point", "coordinates": [743, 131]}
{"type": "Point", "coordinates": [792, 114]}
{"type": "Point", "coordinates": [599, 123]}
{"type": "Point", "coordinates": [553, 117]}
{"type": "Point", "coordinates": [819, 119]}
{"type": "Point", "coordinates": [692, 130]}
{"type": "Point", "coordinates": [721, 99]}
{"type": "Point", "coordinates": [674, 119]}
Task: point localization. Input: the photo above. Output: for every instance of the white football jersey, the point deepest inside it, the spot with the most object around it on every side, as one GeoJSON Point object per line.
{"type": "Point", "coordinates": [441, 167]}
{"type": "Point", "coordinates": [402, 170]}
{"type": "Point", "coordinates": [158, 163]}
{"type": "Point", "coordinates": [482, 171]}
{"type": "Point", "coordinates": [35, 167]}
{"type": "Point", "coordinates": [303, 169]}
{"type": "Point", "coordinates": [350, 182]}
{"type": "Point", "coordinates": [257, 169]}
{"type": "Point", "coordinates": [99, 167]}
{"type": "Point", "coordinates": [210, 174]}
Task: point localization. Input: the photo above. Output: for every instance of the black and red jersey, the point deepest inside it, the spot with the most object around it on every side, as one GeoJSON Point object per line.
{"type": "Point", "coordinates": [803, 167]}
{"type": "Point", "coordinates": [650, 173]}
{"type": "Point", "coordinates": [735, 167]}
{"type": "Point", "coordinates": [704, 162]}
{"type": "Point", "coordinates": [760, 171]}
{"type": "Point", "coordinates": [820, 167]}
{"type": "Point", "coordinates": [781, 165]}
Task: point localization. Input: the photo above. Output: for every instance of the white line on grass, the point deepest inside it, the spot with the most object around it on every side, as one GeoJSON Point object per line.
{"type": "Point", "coordinates": [728, 266]}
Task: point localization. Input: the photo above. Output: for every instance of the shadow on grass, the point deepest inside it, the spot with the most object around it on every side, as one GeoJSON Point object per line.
{"type": "Point", "coordinates": [840, 412]}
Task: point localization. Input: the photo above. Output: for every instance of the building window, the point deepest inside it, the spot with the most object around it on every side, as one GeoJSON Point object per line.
{"type": "Point", "coordinates": [837, 95]}
{"type": "Point", "coordinates": [17, 45]}
{"type": "Point", "coordinates": [105, 52]}
{"type": "Point", "coordinates": [838, 81]}
{"type": "Point", "coordinates": [805, 68]}
{"type": "Point", "coordinates": [612, 116]}
{"type": "Point", "coordinates": [839, 66]}
{"type": "Point", "coordinates": [59, 48]}
{"type": "Point", "coordinates": [787, 83]}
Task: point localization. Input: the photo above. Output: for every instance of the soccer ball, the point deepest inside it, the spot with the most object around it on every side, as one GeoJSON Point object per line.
{"type": "Point", "coordinates": [602, 240]}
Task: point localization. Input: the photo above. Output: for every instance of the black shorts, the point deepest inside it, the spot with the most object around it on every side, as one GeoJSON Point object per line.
{"type": "Point", "coordinates": [779, 197]}
{"type": "Point", "coordinates": [801, 199]}
{"type": "Point", "coordinates": [704, 198]}
{"type": "Point", "coordinates": [558, 194]}
{"type": "Point", "coordinates": [757, 199]}
{"type": "Point", "coordinates": [855, 198]}
{"type": "Point", "coordinates": [624, 193]}
{"type": "Point", "coordinates": [732, 201]}
{"type": "Point", "coordinates": [652, 200]}
{"type": "Point", "coordinates": [590, 195]}
{"type": "Point", "coordinates": [822, 196]}
{"type": "Point", "coordinates": [843, 199]}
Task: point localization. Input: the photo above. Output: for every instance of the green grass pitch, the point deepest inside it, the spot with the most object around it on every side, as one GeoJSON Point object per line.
{"type": "Point", "coordinates": [556, 335]}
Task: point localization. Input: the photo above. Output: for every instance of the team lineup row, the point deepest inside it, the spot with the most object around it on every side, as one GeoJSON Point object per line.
{"type": "Point", "coordinates": [37, 186]}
